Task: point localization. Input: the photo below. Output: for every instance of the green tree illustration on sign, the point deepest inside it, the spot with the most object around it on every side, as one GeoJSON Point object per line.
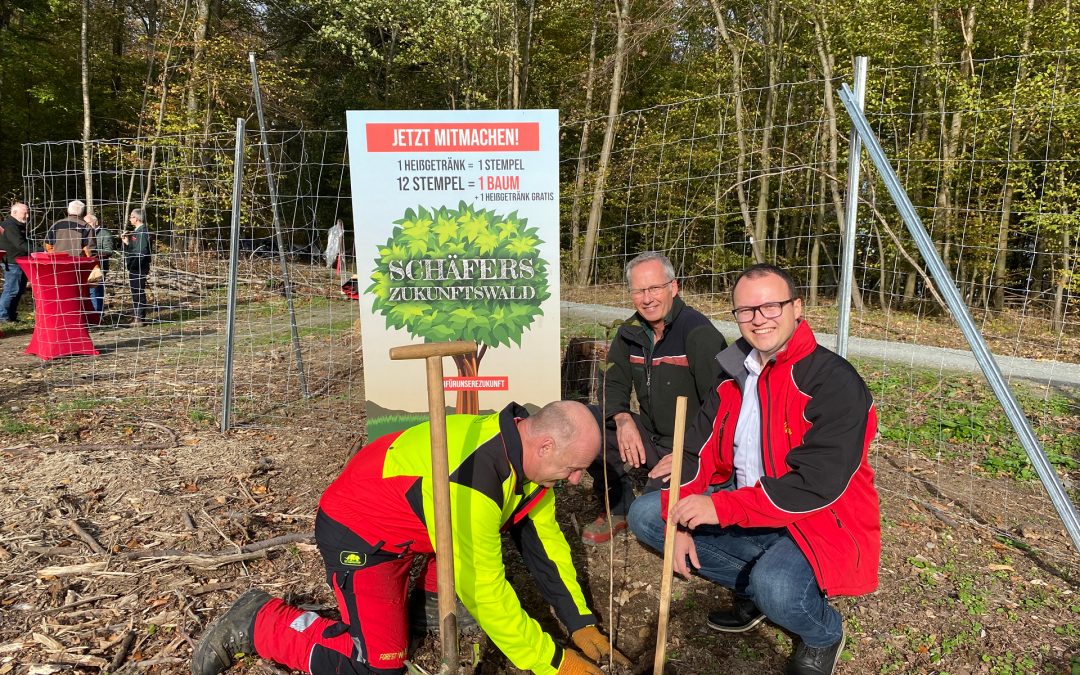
{"type": "Point", "coordinates": [461, 274]}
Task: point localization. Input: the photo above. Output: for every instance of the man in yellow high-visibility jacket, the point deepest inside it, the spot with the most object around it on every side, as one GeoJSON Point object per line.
{"type": "Point", "coordinates": [379, 514]}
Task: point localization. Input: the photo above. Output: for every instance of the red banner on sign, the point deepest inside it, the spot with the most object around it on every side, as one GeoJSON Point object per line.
{"type": "Point", "coordinates": [494, 383]}
{"type": "Point", "coordinates": [462, 137]}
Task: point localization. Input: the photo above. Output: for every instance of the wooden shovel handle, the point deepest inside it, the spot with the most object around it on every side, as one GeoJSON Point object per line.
{"type": "Point", "coordinates": [669, 535]}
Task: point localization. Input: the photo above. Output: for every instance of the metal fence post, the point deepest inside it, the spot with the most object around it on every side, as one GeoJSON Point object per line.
{"type": "Point", "coordinates": [272, 186]}
{"type": "Point", "coordinates": [947, 288]}
{"type": "Point", "coordinates": [851, 213]}
{"type": "Point", "coordinates": [234, 258]}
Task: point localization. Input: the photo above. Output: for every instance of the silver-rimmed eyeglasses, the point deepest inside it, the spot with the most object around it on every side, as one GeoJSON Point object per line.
{"type": "Point", "coordinates": [769, 310]}
{"type": "Point", "coordinates": [651, 290]}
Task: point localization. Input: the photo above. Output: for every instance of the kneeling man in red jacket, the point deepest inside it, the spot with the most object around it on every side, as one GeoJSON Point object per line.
{"type": "Point", "coordinates": [777, 500]}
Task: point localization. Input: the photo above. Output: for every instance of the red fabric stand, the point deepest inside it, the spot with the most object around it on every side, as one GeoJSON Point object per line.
{"type": "Point", "coordinates": [59, 284]}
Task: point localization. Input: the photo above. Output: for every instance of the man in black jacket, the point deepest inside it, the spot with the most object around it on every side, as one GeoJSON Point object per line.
{"type": "Point", "coordinates": [137, 258]}
{"type": "Point", "coordinates": [665, 350]}
{"type": "Point", "coordinates": [13, 243]}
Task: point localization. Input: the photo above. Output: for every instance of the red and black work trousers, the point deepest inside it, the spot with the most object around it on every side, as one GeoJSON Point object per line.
{"type": "Point", "coordinates": [370, 586]}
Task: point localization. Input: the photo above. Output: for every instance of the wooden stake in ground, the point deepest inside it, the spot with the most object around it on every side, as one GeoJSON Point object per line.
{"type": "Point", "coordinates": [669, 535]}
{"type": "Point", "coordinates": [433, 353]}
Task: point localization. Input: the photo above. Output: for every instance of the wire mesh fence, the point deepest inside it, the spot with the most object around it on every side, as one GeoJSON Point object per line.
{"type": "Point", "coordinates": [717, 183]}
{"type": "Point", "coordinates": [177, 356]}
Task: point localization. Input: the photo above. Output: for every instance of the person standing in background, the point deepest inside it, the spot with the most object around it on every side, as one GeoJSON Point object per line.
{"type": "Point", "coordinates": [13, 243]}
{"type": "Point", "coordinates": [101, 247]}
{"type": "Point", "coordinates": [137, 258]}
{"type": "Point", "coordinates": [70, 234]}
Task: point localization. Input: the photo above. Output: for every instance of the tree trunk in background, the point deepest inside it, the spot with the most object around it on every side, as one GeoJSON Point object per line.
{"type": "Point", "coordinates": [161, 111]}
{"type": "Point", "coordinates": [773, 47]}
{"type": "Point", "coordinates": [84, 60]}
{"type": "Point", "coordinates": [151, 54]}
{"type": "Point", "coordinates": [815, 252]}
{"type": "Point", "coordinates": [909, 287]}
{"type": "Point", "coordinates": [883, 291]}
{"type": "Point", "coordinates": [1062, 278]}
{"type": "Point", "coordinates": [592, 228]}
{"type": "Point", "coordinates": [952, 130]}
{"type": "Point", "coordinates": [817, 211]}
{"type": "Point", "coordinates": [916, 186]}
{"type": "Point", "coordinates": [997, 302]}
{"type": "Point", "coordinates": [515, 59]}
{"type": "Point", "coordinates": [118, 33]}
{"type": "Point", "coordinates": [583, 151]}
{"type": "Point", "coordinates": [202, 27]}
{"type": "Point", "coordinates": [825, 55]}
{"type": "Point", "coordinates": [719, 240]}
{"type": "Point", "coordinates": [189, 190]}
{"type": "Point", "coordinates": [526, 58]}
{"type": "Point", "coordinates": [740, 129]}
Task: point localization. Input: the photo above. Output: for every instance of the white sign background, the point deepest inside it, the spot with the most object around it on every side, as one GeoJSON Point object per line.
{"type": "Point", "coordinates": [380, 172]}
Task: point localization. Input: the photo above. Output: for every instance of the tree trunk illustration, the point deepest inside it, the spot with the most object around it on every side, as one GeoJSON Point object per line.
{"type": "Point", "coordinates": [468, 365]}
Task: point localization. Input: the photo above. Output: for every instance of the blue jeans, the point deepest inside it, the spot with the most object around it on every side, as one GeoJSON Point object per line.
{"type": "Point", "coordinates": [620, 483]}
{"type": "Point", "coordinates": [14, 287]}
{"type": "Point", "coordinates": [761, 564]}
{"type": "Point", "coordinates": [97, 291]}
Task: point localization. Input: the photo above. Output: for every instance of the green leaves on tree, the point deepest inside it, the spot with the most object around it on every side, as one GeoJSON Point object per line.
{"type": "Point", "coordinates": [460, 274]}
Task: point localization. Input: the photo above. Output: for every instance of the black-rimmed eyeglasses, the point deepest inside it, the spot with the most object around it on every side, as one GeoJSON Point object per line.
{"type": "Point", "coordinates": [769, 310]}
{"type": "Point", "coordinates": [651, 290]}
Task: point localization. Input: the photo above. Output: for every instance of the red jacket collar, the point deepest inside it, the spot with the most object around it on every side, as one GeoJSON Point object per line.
{"type": "Point", "coordinates": [802, 342]}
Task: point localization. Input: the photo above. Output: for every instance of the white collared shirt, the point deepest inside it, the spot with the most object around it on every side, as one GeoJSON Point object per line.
{"type": "Point", "coordinates": [748, 464]}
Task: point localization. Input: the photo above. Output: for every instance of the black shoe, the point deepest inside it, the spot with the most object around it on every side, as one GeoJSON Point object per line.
{"type": "Point", "coordinates": [424, 613]}
{"type": "Point", "coordinates": [816, 660]}
{"type": "Point", "coordinates": [231, 634]}
{"type": "Point", "coordinates": [743, 616]}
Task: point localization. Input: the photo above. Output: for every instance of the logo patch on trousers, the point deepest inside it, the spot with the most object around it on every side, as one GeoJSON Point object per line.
{"type": "Point", "coordinates": [353, 559]}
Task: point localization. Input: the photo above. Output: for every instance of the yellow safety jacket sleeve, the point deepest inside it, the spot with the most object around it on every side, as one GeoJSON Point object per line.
{"type": "Point", "coordinates": [489, 495]}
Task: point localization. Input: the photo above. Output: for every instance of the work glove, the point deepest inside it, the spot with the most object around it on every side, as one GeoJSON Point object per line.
{"type": "Point", "coordinates": [593, 644]}
{"type": "Point", "coordinates": [575, 664]}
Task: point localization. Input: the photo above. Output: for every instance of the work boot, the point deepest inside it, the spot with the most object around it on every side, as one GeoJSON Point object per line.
{"type": "Point", "coordinates": [743, 616]}
{"type": "Point", "coordinates": [424, 613]}
{"type": "Point", "coordinates": [232, 634]}
{"type": "Point", "coordinates": [598, 531]}
{"type": "Point", "coordinates": [816, 660]}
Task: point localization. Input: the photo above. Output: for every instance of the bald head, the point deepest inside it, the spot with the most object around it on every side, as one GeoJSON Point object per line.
{"type": "Point", "coordinates": [559, 441]}
{"type": "Point", "coordinates": [570, 424]}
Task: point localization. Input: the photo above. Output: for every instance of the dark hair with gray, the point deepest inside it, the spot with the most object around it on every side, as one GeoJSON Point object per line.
{"type": "Point", "coordinates": [763, 270]}
{"type": "Point", "coordinates": [140, 215]}
{"type": "Point", "coordinates": [647, 256]}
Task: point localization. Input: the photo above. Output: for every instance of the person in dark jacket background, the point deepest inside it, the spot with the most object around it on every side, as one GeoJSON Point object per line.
{"type": "Point", "coordinates": [70, 234]}
{"type": "Point", "coordinates": [137, 260]}
{"type": "Point", "coordinates": [665, 350]}
{"type": "Point", "coordinates": [101, 247]}
{"type": "Point", "coordinates": [13, 243]}
{"type": "Point", "coordinates": [777, 494]}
